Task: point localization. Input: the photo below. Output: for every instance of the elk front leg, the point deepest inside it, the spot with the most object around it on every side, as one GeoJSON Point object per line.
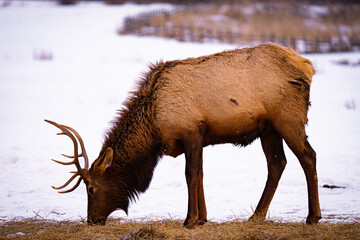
{"type": "Point", "coordinates": [201, 200]}
{"type": "Point", "coordinates": [193, 171]}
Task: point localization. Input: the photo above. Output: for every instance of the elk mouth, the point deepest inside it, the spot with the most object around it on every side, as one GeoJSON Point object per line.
{"type": "Point", "coordinates": [99, 222]}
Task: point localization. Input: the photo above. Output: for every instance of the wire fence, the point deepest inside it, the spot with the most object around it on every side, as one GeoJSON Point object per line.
{"type": "Point", "coordinates": [141, 25]}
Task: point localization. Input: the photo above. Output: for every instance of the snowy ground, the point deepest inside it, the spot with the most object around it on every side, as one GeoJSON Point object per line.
{"type": "Point", "coordinates": [67, 64]}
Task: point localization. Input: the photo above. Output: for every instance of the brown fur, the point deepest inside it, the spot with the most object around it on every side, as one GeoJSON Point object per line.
{"type": "Point", "coordinates": [181, 106]}
{"type": "Point", "coordinates": [232, 93]}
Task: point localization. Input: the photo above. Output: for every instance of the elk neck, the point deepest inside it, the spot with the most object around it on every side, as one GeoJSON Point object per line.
{"type": "Point", "coordinates": [136, 140]}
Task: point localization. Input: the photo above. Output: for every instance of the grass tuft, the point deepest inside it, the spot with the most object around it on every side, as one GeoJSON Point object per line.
{"type": "Point", "coordinates": [147, 232]}
{"type": "Point", "coordinates": [173, 229]}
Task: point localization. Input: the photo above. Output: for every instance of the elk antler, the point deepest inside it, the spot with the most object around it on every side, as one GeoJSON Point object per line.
{"type": "Point", "coordinates": [68, 131]}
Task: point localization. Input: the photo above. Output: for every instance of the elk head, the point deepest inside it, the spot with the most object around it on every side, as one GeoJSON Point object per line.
{"type": "Point", "coordinates": [103, 196]}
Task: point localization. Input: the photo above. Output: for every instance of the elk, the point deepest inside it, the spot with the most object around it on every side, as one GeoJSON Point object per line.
{"type": "Point", "coordinates": [181, 106]}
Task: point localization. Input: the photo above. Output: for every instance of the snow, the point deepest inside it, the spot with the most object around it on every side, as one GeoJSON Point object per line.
{"type": "Point", "coordinates": [85, 76]}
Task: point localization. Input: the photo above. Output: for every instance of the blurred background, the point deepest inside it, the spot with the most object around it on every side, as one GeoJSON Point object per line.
{"type": "Point", "coordinates": [308, 25]}
{"type": "Point", "coordinates": [311, 26]}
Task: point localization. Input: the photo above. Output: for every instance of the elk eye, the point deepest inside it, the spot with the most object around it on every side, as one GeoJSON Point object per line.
{"type": "Point", "coordinates": [91, 190]}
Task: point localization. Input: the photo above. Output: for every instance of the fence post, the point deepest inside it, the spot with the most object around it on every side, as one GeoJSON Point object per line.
{"type": "Point", "coordinates": [273, 37]}
{"type": "Point", "coordinates": [238, 37]}
{"type": "Point", "coordinates": [220, 36]}
{"type": "Point", "coordinates": [191, 34]}
{"type": "Point", "coordinates": [293, 42]}
{"type": "Point", "coordinates": [229, 36]}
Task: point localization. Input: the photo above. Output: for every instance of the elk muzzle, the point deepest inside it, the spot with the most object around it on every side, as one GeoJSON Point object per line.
{"type": "Point", "coordinates": [100, 221]}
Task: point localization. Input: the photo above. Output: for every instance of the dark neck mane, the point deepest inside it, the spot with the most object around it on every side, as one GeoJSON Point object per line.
{"type": "Point", "coordinates": [135, 138]}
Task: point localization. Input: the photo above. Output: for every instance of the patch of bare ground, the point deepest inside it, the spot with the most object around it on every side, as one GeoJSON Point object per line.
{"type": "Point", "coordinates": [172, 229]}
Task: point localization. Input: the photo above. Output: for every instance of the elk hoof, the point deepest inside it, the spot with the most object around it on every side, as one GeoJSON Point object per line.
{"type": "Point", "coordinates": [256, 218]}
{"type": "Point", "coordinates": [194, 224]}
{"type": "Point", "coordinates": [312, 219]}
{"type": "Point", "coordinates": [190, 226]}
{"type": "Point", "coordinates": [201, 222]}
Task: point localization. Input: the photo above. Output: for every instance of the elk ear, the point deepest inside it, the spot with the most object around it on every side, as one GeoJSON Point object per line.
{"type": "Point", "coordinates": [107, 159]}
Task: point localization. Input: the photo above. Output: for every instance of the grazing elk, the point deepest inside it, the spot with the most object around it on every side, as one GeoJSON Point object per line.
{"type": "Point", "coordinates": [182, 106]}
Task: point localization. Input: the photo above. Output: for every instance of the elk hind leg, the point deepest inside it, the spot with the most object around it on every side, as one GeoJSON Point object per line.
{"type": "Point", "coordinates": [307, 160]}
{"type": "Point", "coordinates": [295, 137]}
{"type": "Point", "coordinates": [272, 145]}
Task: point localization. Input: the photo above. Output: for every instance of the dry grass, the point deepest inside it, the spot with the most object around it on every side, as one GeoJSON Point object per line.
{"type": "Point", "coordinates": [284, 19]}
{"type": "Point", "coordinates": [171, 229]}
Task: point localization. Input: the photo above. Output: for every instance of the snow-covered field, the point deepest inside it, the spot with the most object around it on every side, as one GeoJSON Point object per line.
{"type": "Point", "coordinates": [67, 64]}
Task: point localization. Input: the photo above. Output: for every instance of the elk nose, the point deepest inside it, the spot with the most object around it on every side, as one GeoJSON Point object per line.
{"type": "Point", "coordinates": [100, 222]}
{"type": "Point", "coordinates": [90, 222]}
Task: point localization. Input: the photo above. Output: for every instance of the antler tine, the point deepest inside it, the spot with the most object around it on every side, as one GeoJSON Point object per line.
{"type": "Point", "coordinates": [68, 131]}
{"type": "Point", "coordinates": [83, 151]}
{"type": "Point", "coordinates": [68, 156]}
{"type": "Point", "coordinates": [67, 163]}
{"type": "Point", "coordinates": [63, 163]}
{"type": "Point", "coordinates": [67, 183]}
{"type": "Point", "coordinates": [73, 188]}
